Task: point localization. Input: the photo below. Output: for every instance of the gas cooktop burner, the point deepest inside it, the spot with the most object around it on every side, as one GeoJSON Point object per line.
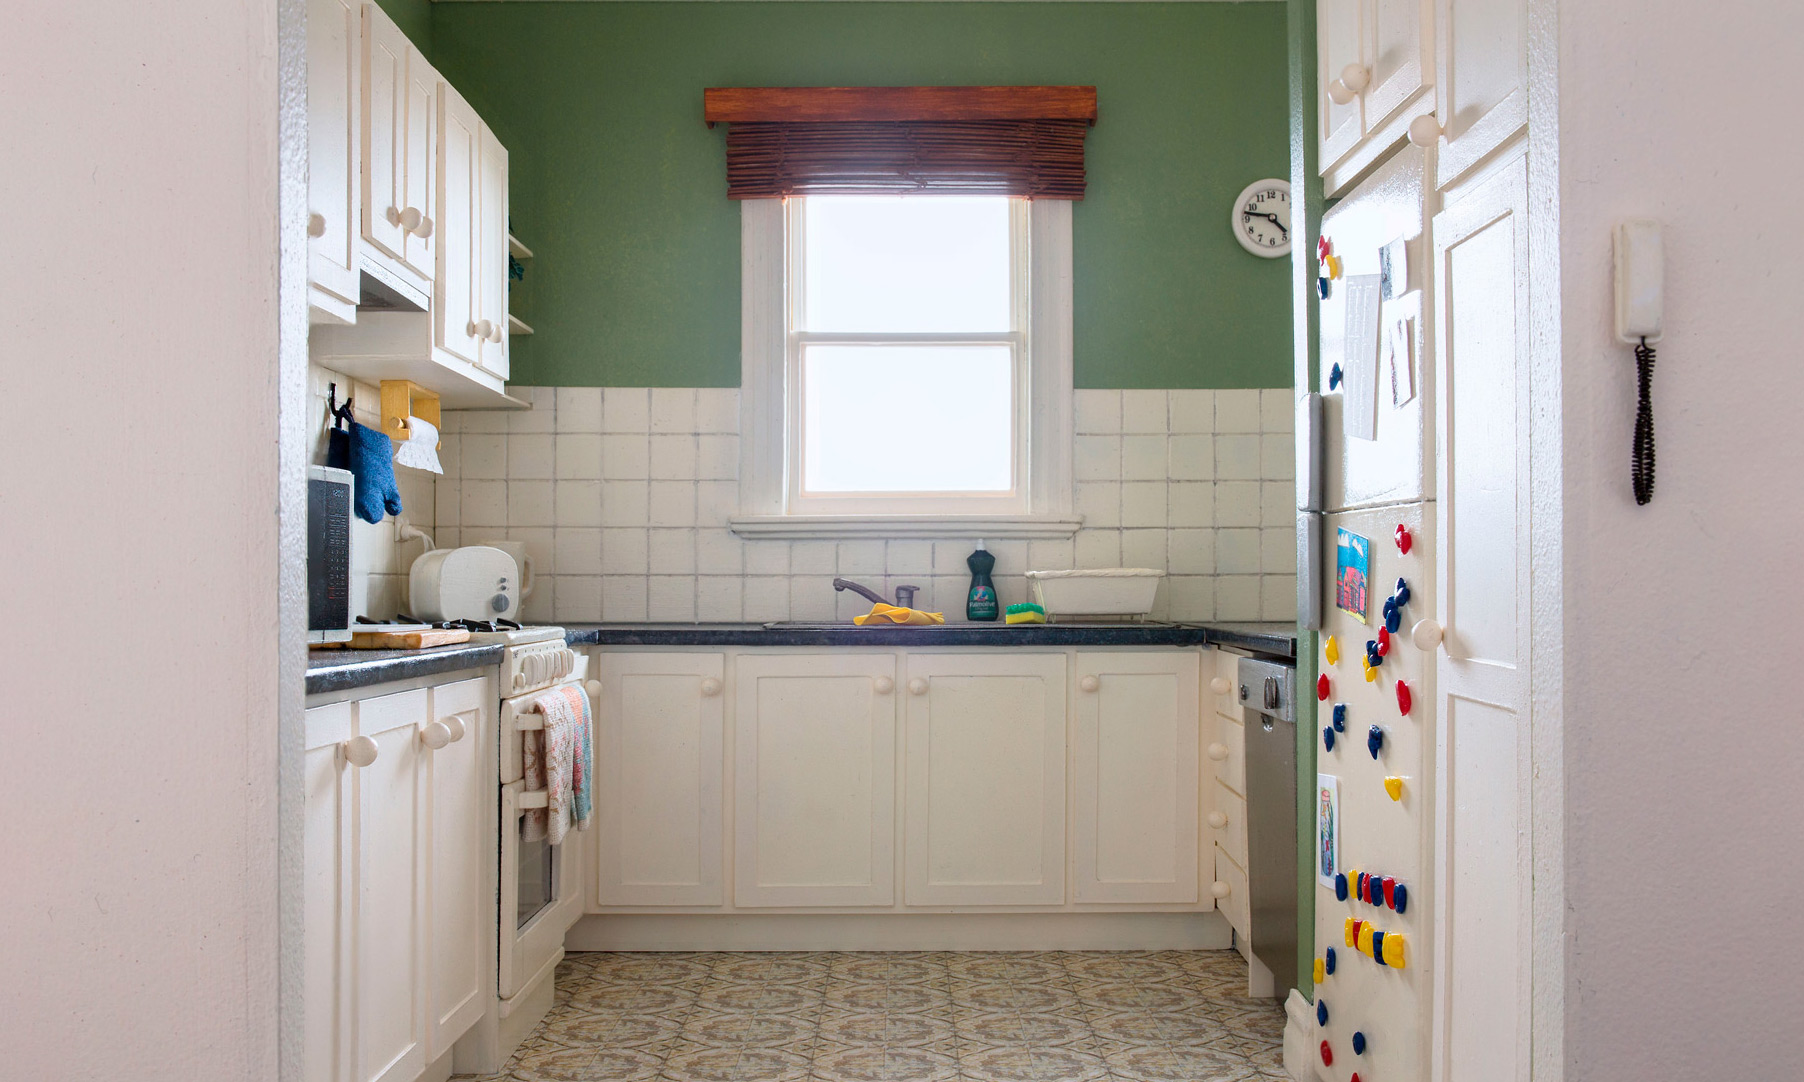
{"type": "Point", "coordinates": [463, 625]}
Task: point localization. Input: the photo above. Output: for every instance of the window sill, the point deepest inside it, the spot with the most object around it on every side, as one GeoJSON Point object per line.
{"type": "Point", "coordinates": [820, 527]}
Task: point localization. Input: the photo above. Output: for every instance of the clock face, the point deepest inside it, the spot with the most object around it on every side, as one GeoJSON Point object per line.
{"type": "Point", "coordinates": [1261, 218]}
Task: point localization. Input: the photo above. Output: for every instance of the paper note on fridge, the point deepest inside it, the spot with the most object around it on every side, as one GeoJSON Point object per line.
{"type": "Point", "coordinates": [1399, 361]}
{"type": "Point", "coordinates": [1360, 407]}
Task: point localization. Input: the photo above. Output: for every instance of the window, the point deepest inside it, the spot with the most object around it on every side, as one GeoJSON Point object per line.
{"type": "Point", "coordinates": [907, 366]}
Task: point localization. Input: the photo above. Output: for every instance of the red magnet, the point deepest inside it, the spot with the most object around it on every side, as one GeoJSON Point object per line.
{"type": "Point", "coordinates": [1355, 1077]}
{"type": "Point", "coordinates": [1327, 1055]}
{"type": "Point", "coordinates": [1390, 891]}
{"type": "Point", "coordinates": [1384, 642]}
{"type": "Point", "coordinates": [1323, 246]}
{"type": "Point", "coordinates": [1403, 699]}
{"type": "Point", "coordinates": [1404, 540]}
{"type": "Point", "coordinates": [1321, 687]}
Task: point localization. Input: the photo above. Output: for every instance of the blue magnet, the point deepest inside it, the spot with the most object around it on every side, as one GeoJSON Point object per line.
{"type": "Point", "coordinates": [1373, 657]}
{"type": "Point", "coordinates": [1402, 594]}
{"type": "Point", "coordinates": [1359, 1044]}
{"type": "Point", "coordinates": [1321, 1012]}
{"type": "Point", "coordinates": [1340, 717]}
{"type": "Point", "coordinates": [1340, 895]}
{"type": "Point", "coordinates": [1321, 288]}
{"type": "Point", "coordinates": [1335, 375]}
{"type": "Point", "coordinates": [1328, 739]}
{"type": "Point", "coordinates": [1375, 740]}
{"type": "Point", "coordinates": [1393, 615]}
{"type": "Point", "coordinates": [1328, 959]}
{"type": "Point", "coordinates": [1402, 896]}
{"type": "Point", "coordinates": [1378, 947]}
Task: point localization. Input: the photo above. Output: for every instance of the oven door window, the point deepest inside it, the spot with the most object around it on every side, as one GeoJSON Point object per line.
{"type": "Point", "coordinates": [537, 876]}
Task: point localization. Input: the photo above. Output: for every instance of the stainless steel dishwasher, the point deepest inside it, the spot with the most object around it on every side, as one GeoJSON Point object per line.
{"type": "Point", "coordinates": [1267, 691]}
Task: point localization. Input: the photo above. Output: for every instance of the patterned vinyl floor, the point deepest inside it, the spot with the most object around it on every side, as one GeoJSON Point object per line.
{"type": "Point", "coordinates": [1132, 1016]}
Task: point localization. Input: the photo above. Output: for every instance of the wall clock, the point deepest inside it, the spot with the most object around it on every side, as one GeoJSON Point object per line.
{"type": "Point", "coordinates": [1261, 218]}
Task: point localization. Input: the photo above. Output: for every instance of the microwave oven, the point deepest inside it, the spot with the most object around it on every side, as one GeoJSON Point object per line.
{"type": "Point", "coordinates": [329, 500]}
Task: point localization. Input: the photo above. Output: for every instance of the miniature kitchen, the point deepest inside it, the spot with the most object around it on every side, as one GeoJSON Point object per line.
{"type": "Point", "coordinates": [843, 541]}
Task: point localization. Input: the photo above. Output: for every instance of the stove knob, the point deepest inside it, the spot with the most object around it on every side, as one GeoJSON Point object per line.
{"type": "Point", "coordinates": [519, 680]}
{"type": "Point", "coordinates": [566, 662]}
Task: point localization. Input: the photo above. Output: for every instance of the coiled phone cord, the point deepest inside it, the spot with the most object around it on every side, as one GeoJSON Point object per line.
{"type": "Point", "coordinates": [1642, 471]}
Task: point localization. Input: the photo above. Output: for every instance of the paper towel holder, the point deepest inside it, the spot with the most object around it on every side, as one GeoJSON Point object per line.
{"type": "Point", "coordinates": [403, 398]}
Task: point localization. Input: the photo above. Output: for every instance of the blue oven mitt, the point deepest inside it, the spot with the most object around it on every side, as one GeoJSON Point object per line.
{"type": "Point", "coordinates": [372, 464]}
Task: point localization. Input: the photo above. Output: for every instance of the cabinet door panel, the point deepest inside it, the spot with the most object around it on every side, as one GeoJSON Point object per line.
{"type": "Point", "coordinates": [328, 852]}
{"type": "Point", "coordinates": [390, 1014]}
{"type": "Point", "coordinates": [660, 766]}
{"type": "Point", "coordinates": [1481, 78]}
{"type": "Point", "coordinates": [333, 67]}
{"type": "Point", "coordinates": [1339, 42]}
{"type": "Point", "coordinates": [986, 779]}
{"type": "Point", "coordinates": [491, 251]}
{"type": "Point", "coordinates": [417, 185]}
{"type": "Point", "coordinates": [460, 916]}
{"type": "Point", "coordinates": [1402, 56]}
{"type": "Point", "coordinates": [384, 120]}
{"type": "Point", "coordinates": [815, 780]}
{"type": "Point", "coordinates": [454, 291]}
{"type": "Point", "coordinates": [1135, 824]}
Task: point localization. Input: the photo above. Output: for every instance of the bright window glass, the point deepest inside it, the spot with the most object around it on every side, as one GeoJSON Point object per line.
{"type": "Point", "coordinates": [922, 264]}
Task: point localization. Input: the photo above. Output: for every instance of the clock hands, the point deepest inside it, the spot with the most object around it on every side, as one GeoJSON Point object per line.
{"type": "Point", "coordinates": [1273, 218]}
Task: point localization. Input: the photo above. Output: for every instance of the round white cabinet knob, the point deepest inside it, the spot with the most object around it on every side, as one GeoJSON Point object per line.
{"type": "Point", "coordinates": [483, 329]}
{"type": "Point", "coordinates": [410, 218]}
{"type": "Point", "coordinates": [359, 750]}
{"type": "Point", "coordinates": [1221, 685]}
{"type": "Point", "coordinates": [1218, 819]}
{"type": "Point", "coordinates": [435, 734]}
{"type": "Point", "coordinates": [316, 225]}
{"type": "Point", "coordinates": [917, 686]}
{"type": "Point", "coordinates": [456, 725]}
{"type": "Point", "coordinates": [593, 687]}
{"type": "Point", "coordinates": [393, 214]}
{"type": "Point", "coordinates": [1218, 752]}
{"type": "Point", "coordinates": [883, 685]}
{"type": "Point", "coordinates": [424, 229]}
{"type": "Point", "coordinates": [1426, 634]}
{"type": "Point", "coordinates": [1356, 77]}
{"type": "Point", "coordinates": [1425, 130]}
{"type": "Point", "coordinates": [1089, 683]}
{"type": "Point", "coordinates": [1219, 888]}
{"type": "Point", "coordinates": [710, 687]}
{"type": "Point", "coordinates": [1340, 93]}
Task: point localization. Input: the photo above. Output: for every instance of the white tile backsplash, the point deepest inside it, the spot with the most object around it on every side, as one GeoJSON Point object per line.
{"type": "Point", "coordinates": [624, 496]}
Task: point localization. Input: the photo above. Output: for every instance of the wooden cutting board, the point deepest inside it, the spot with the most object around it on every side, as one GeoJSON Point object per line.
{"type": "Point", "coordinates": [404, 640]}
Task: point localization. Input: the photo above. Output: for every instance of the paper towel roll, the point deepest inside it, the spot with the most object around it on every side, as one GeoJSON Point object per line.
{"type": "Point", "coordinates": [420, 449]}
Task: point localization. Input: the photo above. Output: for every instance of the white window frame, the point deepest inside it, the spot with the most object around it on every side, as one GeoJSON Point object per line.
{"type": "Point", "coordinates": [771, 502]}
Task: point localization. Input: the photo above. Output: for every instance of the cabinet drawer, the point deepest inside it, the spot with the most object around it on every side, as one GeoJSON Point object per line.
{"type": "Point", "coordinates": [1232, 836]}
{"type": "Point", "coordinates": [1236, 906]}
{"type": "Point", "coordinates": [1231, 771]}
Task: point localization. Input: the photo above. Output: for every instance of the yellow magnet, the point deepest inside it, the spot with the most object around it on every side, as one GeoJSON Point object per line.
{"type": "Point", "coordinates": [1333, 263]}
{"type": "Point", "coordinates": [1321, 971]}
{"type": "Point", "coordinates": [1365, 939]}
{"type": "Point", "coordinates": [1394, 786]}
{"type": "Point", "coordinates": [1393, 950]}
{"type": "Point", "coordinates": [1332, 651]}
{"type": "Point", "coordinates": [1352, 931]}
{"type": "Point", "coordinates": [1371, 672]}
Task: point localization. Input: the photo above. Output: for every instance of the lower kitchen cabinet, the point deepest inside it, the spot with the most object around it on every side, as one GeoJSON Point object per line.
{"type": "Point", "coordinates": [984, 788]}
{"type": "Point", "coordinates": [814, 777]}
{"type": "Point", "coordinates": [399, 884]}
{"type": "Point", "coordinates": [1136, 766]}
{"type": "Point", "coordinates": [660, 779]}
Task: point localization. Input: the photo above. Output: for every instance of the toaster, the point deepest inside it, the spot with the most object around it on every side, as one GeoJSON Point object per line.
{"type": "Point", "coordinates": [474, 582]}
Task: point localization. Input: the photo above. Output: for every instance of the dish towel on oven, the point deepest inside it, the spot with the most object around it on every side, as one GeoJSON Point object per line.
{"type": "Point", "coordinates": [560, 760]}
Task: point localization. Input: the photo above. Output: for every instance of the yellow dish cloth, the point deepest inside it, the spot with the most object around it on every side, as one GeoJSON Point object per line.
{"type": "Point", "coordinates": [882, 615]}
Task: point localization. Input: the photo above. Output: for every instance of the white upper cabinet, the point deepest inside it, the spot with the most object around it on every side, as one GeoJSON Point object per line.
{"type": "Point", "coordinates": [815, 780]}
{"type": "Point", "coordinates": [1375, 71]}
{"type": "Point", "coordinates": [985, 779]}
{"type": "Point", "coordinates": [399, 104]}
{"type": "Point", "coordinates": [334, 69]}
{"type": "Point", "coordinates": [457, 289]}
{"type": "Point", "coordinates": [1135, 827]}
{"type": "Point", "coordinates": [491, 253]}
{"type": "Point", "coordinates": [1481, 61]}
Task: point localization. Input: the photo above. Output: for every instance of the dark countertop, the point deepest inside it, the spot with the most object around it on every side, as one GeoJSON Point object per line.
{"type": "Point", "coordinates": [342, 670]}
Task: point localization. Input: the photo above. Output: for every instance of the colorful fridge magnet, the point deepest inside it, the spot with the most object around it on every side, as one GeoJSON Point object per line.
{"type": "Point", "coordinates": [1384, 642]}
{"type": "Point", "coordinates": [1327, 829]}
{"type": "Point", "coordinates": [1327, 1055]}
{"type": "Point", "coordinates": [1340, 887]}
{"type": "Point", "coordinates": [1401, 901]}
{"type": "Point", "coordinates": [1359, 1044]}
{"type": "Point", "coordinates": [1321, 1012]}
{"type": "Point", "coordinates": [1331, 651]}
{"type": "Point", "coordinates": [1340, 717]}
{"type": "Point", "coordinates": [1335, 374]}
{"type": "Point", "coordinates": [1375, 740]}
{"type": "Point", "coordinates": [1352, 930]}
{"type": "Point", "coordinates": [1322, 687]}
{"type": "Point", "coordinates": [1389, 888]}
{"type": "Point", "coordinates": [1401, 593]}
{"type": "Point", "coordinates": [1393, 951]}
{"type": "Point", "coordinates": [1404, 700]}
{"type": "Point", "coordinates": [1394, 786]}
{"type": "Point", "coordinates": [1328, 961]}
{"type": "Point", "coordinates": [1328, 738]}
{"type": "Point", "coordinates": [1404, 539]}
{"type": "Point", "coordinates": [1321, 971]}
{"type": "Point", "coordinates": [1371, 671]}
{"type": "Point", "coordinates": [1351, 577]}
{"type": "Point", "coordinates": [1377, 951]}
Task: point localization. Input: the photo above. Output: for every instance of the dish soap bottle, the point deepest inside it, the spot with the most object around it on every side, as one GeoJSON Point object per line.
{"type": "Point", "coordinates": [980, 604]}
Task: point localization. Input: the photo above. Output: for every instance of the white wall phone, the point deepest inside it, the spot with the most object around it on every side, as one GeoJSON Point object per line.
{"type": "Point", "coordinates": [1640, 294]}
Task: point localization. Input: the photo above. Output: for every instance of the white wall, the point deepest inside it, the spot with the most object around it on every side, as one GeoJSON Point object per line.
{"type": "Point", "coordinates": [1682, 724]}
{"type": "Point", "coordinates": [138, 532]}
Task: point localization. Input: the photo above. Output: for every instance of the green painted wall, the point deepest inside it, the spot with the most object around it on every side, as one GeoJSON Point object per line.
{"type": "Point", "coordinates": [414, 17]}
{"type": "Point", "coordinates": [620, 189]}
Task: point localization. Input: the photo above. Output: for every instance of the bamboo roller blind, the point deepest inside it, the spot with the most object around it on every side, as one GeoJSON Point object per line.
{"type": "Point", "coordinates": [1018, 141]}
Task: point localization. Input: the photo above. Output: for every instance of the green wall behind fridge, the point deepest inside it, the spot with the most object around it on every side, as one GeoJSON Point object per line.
{"type": "Point", "coordinates": [620, 189]}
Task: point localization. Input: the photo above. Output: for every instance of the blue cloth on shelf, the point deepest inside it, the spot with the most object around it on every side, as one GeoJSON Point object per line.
{"type": "Point", "coordinates": [372, 464]}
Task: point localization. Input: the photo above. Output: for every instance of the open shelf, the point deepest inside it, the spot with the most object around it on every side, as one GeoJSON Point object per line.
{"type": "Point", "coordinates": [516, 325]}
{"type": "Point", "coordinates": [516, 249]}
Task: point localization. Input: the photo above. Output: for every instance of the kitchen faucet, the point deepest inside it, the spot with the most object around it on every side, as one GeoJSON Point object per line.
{"type": "Point", "coordinates": [905, 595]}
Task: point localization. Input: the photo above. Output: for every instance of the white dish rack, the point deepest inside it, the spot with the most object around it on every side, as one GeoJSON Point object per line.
{"type": "Point", "coordinates": [1125, 592]}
